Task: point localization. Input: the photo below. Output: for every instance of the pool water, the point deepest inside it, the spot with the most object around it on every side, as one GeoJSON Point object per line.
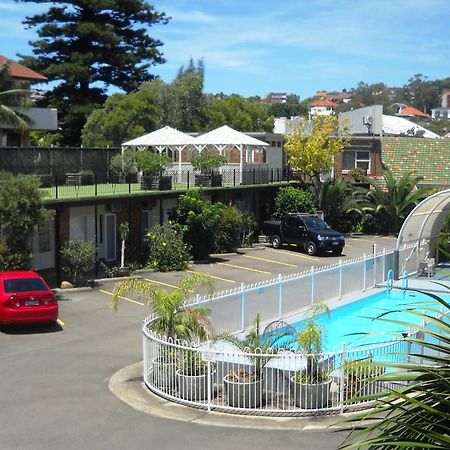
{"type": "Point", "coordinates": [356, 317]}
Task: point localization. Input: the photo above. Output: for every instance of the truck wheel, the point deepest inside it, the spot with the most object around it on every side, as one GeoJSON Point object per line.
{"type": "Point", "coordinates": [311, 249]}
{"type": "Point", "coordinates": [276, 241]}
{"type": "Point", "coordinates": [337, 252]}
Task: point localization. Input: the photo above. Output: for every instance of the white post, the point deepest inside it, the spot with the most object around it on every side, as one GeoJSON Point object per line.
{"type": "Point", "coordinates": [374, 265]}
{"type": "Point", "coordinates": [365, 272]}
{"type": "Point", "coordinates": [384, 265]}
{"type": "Point", "coordinates": [340, 279]}
{"type": "Point", "coordinates": [280, 296]}
{"type": "Point", "coordinates": [208, 384]}
{"type": "Point", "coordinates": [342, 379]}
{"type": "Point", "coordinates": [197, 299]}
{"type": "Point", "coordinates": [312, 285]}
{"type": "Point", "coordinates": [242, 307]}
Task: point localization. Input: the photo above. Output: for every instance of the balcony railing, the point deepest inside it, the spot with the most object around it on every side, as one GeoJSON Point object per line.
{"type": "Point", "coordinates": [85, 184]}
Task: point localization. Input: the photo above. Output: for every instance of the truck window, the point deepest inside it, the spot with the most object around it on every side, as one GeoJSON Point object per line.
{"type": "Point", "coordinates": [316, 224]}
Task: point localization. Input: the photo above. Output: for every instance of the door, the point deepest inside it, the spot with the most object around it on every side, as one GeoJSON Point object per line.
{"type": "Point", "coordinates": [111, 250]}
{"type": "Point", "coordinates": [291, 232]}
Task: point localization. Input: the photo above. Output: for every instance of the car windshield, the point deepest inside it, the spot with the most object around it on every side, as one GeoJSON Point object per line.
{"type": "Point", "coordinates": [25, 285]}
{"type": "Point", "coordinates": [316, 224]}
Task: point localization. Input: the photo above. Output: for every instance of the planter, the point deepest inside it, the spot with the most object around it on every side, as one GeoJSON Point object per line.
{"type": "Point", "coordinates": [193, 387]}
{"type": "Point", "coordinates": [149, 182]}
{"type": "Point", "coordinates": [244, 395]}
{"type": "Point", "coordinates": [165, 183]}
{"type": "Point", "coordinates": [311, 396]}
{"type": "Point", "coordinates": [208, 180]}
{"type": "Point", "coordinates": [164, 374]}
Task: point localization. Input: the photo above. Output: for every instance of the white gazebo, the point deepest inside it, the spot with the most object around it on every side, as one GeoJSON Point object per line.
{"type": "Point", "coordinates": [226, 138]}
{"type": "Point", "coordinates": [165, 140]}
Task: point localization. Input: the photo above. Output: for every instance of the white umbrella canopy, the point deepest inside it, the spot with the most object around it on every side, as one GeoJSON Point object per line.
{"type": "Point", "coordinates": [164, 137]}
{"type": "Point", "coordinates": [227, 136]}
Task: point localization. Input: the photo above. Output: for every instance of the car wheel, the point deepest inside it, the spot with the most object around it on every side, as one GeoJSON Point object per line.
{"type": "Point", "coordinates": [338, 251]}
{"type": "Point", "coordinates": [276, 241]}
{"type": "Point", "coordinates": [311, 249]}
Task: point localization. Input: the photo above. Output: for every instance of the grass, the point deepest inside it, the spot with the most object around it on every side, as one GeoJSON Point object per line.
{"type": "Point", "coordinates": [108, 190]}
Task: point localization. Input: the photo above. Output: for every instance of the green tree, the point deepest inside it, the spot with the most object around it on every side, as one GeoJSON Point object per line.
{"type": "Point", "coordinates": [13, 94]}
{"type": "Point", "coordinates": [227, 235]}
{"type": "Point", "coordinates": [392, 200]}
{"type": "Point", "coordinates": [172, 317]}
{"type": "Point", "coordinates": [122, 117]}
{"type": "Point", "coordinates": [238, 113]}
{"type": "Point", "coordinates": [200, 220]}
{"type": "Point", "coordinates": [80, 257]}
{"type": "Point", "coordinates": [179, 104]}
{"type": "Point", "coordinates": [338, 204]}
{"type": "Point", "coordinates": [414, 412]}
{"type": "Point", "coordinates": [84, 47]}
{"type": "Point", "coordinates": [312, 147]}
{"type": "Point", "coordinates": [20, 213]}
{"type": "Point", "coordinates": [292, 200]}
{"type": "Point", "coordinates": [422, 93]}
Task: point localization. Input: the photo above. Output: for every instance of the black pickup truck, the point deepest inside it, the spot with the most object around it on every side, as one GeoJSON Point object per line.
{"type": "Point", "coordinates": [308, 231]}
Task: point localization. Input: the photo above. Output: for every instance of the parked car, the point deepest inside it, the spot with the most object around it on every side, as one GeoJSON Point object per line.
{"type": "Point", "coordinates": [308, 231]}
{"type": "Point", "coordinates": [25, 298]}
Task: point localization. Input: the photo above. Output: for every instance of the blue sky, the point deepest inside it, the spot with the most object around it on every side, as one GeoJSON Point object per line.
{"type": "Point", "coordinates": [253, 47]}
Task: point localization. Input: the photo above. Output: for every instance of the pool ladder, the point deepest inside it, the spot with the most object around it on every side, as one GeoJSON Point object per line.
{"type": "Point", "coordinates": [390, 280]}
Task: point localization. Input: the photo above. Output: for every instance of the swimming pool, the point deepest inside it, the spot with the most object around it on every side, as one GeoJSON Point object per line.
{"type": "Point", "coordinates": [356, 317]}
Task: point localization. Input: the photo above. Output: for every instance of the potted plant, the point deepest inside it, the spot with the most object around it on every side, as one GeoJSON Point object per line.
{"type": "Point", "coordinates": [123, 165]}
{"type": "Point", "coordinates": [206, 161]}
{"type": "Point", "coordinates": [192, 376]}
{"type": "Point", "coordinates": [361, 377]}
{"type": "Point", "coordinates": [244, 386]}
{"type": "Point", "coordinates": [151, 166]}
{"type": "Point", "coordinates": [173, 319]}
{"type": "Point", "coordinates": [311, 384]}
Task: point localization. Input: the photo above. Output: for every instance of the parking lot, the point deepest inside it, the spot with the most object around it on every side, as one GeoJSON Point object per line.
{"type": "Point", "coordinates": [55, 379]}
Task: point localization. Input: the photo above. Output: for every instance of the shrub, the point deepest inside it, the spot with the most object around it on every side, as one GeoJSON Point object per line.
{"type": "Point", "coordinates": [227, 236]}
{"type": "Point", "coordinates": [80, 258]}
{"type": "Point", "coordinates": [167, 250]}
{"type": "Point", "coordinates": [199, 220]}
{"type": "Point", "coordinates": [291, 200]}
{"type": "Point", "coordinates": [207, 161]}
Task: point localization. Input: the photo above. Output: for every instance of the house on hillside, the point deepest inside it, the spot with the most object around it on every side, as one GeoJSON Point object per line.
{"type": "Point", "coordinates": [444, 111]}
{"type": "Point", "coordinates": [409, 112]}
{"type": "Point", "coordinates": [42, 119]}
{"type": "Point", "coordinates": [322, 108]}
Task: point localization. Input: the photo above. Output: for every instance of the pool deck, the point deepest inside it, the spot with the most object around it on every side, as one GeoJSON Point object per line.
{"type": "Point", "coordinates": [439, 282]}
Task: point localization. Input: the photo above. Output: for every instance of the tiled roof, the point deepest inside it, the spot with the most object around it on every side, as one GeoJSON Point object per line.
{"type": "Point", "coordinates": [429, 158]}
{"type": "Point", "coordinates": [411, 111]}
{"type": "Point", "coordinates": [19, 71]}
{"type": "Point", "coordinates": [322, 103]}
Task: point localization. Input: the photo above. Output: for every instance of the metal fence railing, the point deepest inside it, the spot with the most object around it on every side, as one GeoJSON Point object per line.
{"type": "Point", "coordinates": [220, 376]}
{"type": "Point", "coordinates": [234, 310]}
{"type": "Point", "coordinates": [88, 184]}
{"type": "Point", "coordinates": [216, 376]}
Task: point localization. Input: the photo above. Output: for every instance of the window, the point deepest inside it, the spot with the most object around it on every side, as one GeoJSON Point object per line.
{"type": "Point", "coordinates": [352, 159]}
{"type": "Point", "coordinates": [44, 237]}
{"type": "Point", "coordinates": [24, 285]}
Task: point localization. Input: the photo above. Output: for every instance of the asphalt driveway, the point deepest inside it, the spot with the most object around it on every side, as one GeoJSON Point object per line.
{"type": "Point", "coordinates": [54, 391]}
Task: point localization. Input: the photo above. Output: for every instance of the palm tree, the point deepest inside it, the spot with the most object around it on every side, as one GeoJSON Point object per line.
{"type": "Point", "coordinates": [172, 317]}
{"type": "Point", "coordinates": [13, 95]}
{"type": "Point", "coordinates": [393, 199]}
{"type": "Point", "coordinates": [335, 199]}
{"type": "Point", "coordinates": [415, 412]}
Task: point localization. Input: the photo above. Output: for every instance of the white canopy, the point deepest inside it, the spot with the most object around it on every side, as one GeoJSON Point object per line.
{"type": "Point", "coordinates": [227, 136]}
{"type": "Point", "coordinates": [162, 138]}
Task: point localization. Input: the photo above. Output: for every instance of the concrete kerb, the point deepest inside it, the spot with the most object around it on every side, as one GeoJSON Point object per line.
{"type": "Point", "coordinates": [128, 386]}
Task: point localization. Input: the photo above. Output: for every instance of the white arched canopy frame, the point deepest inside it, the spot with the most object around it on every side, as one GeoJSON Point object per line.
{"type": "Point", "coordinates": [423, 225]}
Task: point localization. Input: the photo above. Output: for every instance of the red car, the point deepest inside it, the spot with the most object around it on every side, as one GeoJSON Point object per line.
{"type": "Point", "coordinates": [25, 298]}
